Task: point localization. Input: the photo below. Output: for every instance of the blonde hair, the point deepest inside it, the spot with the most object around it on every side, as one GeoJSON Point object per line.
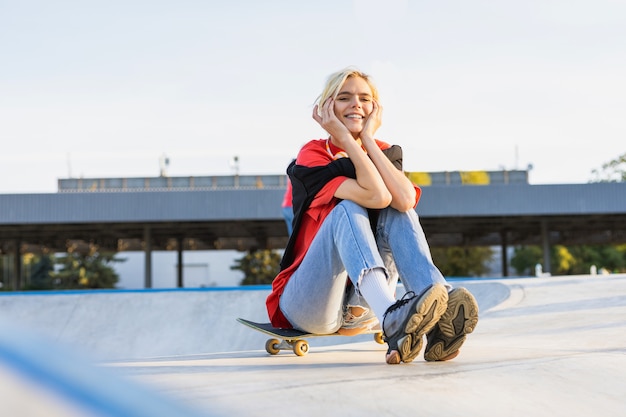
{"type": "Point", "coordinates": [336, 80]}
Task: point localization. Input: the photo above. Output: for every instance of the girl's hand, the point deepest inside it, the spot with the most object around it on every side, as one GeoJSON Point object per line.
{"type": "Point", "coordinates": [373, 122]}
{"type": "Point", "coordinates": [329, 121]}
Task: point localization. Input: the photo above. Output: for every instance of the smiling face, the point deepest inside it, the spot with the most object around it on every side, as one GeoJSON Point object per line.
{"type": "Point", "coordinates": [353, 104]}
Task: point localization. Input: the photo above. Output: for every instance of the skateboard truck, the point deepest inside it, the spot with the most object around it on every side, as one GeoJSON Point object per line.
{"type": "Point", "coordinates": [300, 347]}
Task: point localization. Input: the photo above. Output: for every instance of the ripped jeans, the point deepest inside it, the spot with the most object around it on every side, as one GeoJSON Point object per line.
{"type": "Point", "coordinates": [345, 248]}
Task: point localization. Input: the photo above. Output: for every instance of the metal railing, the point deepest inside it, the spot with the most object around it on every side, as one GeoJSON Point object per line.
{"type": "Point", "coordinates": [215, 182]}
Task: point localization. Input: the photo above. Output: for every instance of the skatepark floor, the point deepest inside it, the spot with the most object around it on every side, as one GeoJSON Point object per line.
{"type": "Point", "coordinates": [552, 346]}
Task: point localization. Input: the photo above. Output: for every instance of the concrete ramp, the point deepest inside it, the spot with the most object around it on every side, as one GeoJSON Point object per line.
{"type": "Point", "coordinates": [139, 324]}
{"type": "Point", "coordinates": [116, 325]}
{"type": "Point", "coordinates": [543, 347]}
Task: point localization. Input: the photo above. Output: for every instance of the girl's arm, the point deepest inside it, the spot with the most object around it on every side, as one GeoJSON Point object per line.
{"type": "Point", "coordinates": [402, 191]}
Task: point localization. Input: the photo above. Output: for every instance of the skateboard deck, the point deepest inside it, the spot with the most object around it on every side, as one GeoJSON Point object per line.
{"type": "Point", "coordinates": [292, 339]}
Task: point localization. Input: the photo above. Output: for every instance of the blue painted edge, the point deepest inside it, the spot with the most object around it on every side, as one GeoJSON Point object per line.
{"type": "Point", "coordinates": [202, 289]}
{"type": "Point", "coordinates": [148, 290]}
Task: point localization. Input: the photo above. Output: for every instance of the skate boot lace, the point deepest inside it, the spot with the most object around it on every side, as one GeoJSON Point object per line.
{"type": "Point", "coordinates": [408, 296]}
{"type": "Point", "coordinates": [405, 299]}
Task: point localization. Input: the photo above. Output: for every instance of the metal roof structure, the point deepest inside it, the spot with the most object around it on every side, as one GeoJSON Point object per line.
{"type": "Point", "coordinates": [220, 219]}
{"type": "Point", "coordinates": [249, 217]}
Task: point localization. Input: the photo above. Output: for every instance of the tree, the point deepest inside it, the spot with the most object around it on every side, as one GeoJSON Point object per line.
{"type": "Point", "coordinates": [525, 258]}
{"type": "Point", "coordinates": [41, 274]}
{"type": "Point", "coordinates": [259, 266]}
{"type": "Point", "coordinates": [612, 171]}
{"type": "Point", "coordinates": [571, 260]}
{"type": "Point", "coordinates": [86, 270]}
{"type": "Point", "coordinates": [460, 261]}
{"type": "Point", "coordinates": [607, 257]}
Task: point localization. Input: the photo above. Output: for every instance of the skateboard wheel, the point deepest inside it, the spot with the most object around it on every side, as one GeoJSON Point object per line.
{"type": "Point", "coordinates": [301, 347]}
{"type": "Point", "coordinates": [378, 338]}
{"type": "Point", "coordinates": [271, 346]}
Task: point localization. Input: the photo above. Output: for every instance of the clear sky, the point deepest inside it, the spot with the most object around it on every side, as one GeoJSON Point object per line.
{"type": "Point", "coordinates": [105, 88]}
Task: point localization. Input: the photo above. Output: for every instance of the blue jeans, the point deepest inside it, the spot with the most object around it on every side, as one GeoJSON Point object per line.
{"type": "Point", "coordinates": [344, 249]}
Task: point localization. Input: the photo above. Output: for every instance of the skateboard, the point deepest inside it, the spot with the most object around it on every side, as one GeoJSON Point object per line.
{"type": "Point", "coordinates": [292, 339]}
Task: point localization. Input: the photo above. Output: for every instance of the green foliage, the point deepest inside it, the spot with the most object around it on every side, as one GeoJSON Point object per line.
{"type": "Point", "coordinates": [563, 261]}
{"type": "Point", "coordinates": [612, 171]}
{"type": "Point", "coordinates": [462, 261]}
{"type": "Point", "coordinates": [85, 271]}
{"type": "Point", "coordinates": [259, 266]}
{"type": "Point", "coordinates": [607, 257]}
{"type": "Point", "coordinates": [525, 258]}
{"type": "Point", "coordinates": [41, 273]}
{"type": "Point", "coordinates": [571, 260]}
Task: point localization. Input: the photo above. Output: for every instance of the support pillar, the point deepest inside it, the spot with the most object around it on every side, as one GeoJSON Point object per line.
{"type": "Point", "coordinates": [505, 254]}
{"type": "Point", "coordinates": [545, 243]}
{"type": "Point", "coordinates": [17, 266]}
{"type": "Point", "coordinates": [179, 265]}
{"type": "Point", "coordinates": [147, 240]}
